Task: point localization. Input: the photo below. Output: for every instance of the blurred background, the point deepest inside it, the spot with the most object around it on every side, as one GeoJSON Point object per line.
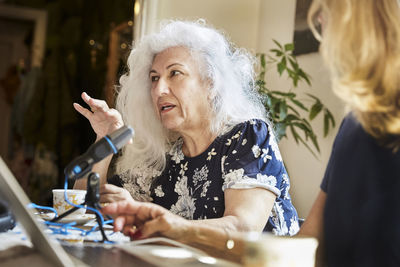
{"type": "Point", "coordinates": [52, 50]}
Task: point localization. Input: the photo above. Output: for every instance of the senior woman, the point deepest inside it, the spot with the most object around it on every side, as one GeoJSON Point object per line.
{"type": "Point", "coordinates": [203, 148]}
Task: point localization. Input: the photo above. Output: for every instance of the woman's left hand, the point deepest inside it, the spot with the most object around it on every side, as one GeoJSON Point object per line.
{"type": "Point", "coordinates": [142, 219]}
{"type": "Point", "coordinates": [111, 193]}
{"type": "Point", "coordinates": [103, 119]}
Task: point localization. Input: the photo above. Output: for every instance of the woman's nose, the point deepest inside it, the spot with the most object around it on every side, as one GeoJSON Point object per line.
{"type": "Point", "coordinates": [162, 87]}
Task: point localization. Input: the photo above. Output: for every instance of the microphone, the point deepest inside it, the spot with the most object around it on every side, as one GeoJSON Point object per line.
{"type": "Point", "coordinates": [111, 143]}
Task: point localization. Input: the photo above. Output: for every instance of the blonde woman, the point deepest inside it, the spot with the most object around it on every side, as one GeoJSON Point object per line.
{"type": "Point", "coordinates": [357, 212]}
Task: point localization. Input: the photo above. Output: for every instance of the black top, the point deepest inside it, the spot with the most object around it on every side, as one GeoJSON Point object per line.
{"type": "Point", "coordinates": [362, 212]}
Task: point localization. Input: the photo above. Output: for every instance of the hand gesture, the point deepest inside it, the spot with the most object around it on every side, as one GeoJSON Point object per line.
{"type": "Point", "coordinates": [104, 120]}
{"type": "Point", "coordinates": [142, 220]}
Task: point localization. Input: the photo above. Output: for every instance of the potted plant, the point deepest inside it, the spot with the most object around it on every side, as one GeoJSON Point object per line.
{"type": "Point", "coordinates": [291, 110]}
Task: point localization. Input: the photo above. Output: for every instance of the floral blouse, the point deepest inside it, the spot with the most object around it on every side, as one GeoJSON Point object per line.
{"type": "Point", "coordinates": [245, 157]}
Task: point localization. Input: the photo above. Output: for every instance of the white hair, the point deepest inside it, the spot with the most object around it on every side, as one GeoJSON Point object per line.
{"type": "Point", "coordinates": [229, 69]}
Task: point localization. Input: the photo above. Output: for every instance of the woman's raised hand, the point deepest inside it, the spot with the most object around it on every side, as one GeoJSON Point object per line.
{"type": "Point", "coordinates": [104, 120]}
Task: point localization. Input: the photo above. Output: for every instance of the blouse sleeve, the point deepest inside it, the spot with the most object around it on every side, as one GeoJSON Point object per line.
{"type": "Point", "coordinates": [252, 159]}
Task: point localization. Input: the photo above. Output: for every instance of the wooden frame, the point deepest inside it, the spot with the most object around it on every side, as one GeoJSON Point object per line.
{"type": "Point", "coordinates": [39, 18]}
{"type": "Point", "coordinates": [303, 39]}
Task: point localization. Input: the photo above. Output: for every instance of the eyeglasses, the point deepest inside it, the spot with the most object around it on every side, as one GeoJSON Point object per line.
{"type": "Point", "coordinates": [318, 23]}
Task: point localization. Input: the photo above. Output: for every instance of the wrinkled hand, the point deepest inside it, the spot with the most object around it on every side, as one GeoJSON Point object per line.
{"type": "Point", "coordinates": [104, 120]}
{"type": "Point", "coordinates": [111, 193]}
{"type": "Point", "coordinates": [142, 220]}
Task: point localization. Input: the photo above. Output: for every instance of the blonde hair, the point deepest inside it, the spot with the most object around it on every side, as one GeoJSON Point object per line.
{"type": "Point", "coordinates": [361, 45]}
{"type": "Point", "coordinates": [229, 69]}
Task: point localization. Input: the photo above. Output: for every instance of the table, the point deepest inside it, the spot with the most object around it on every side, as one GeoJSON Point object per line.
{"type": "Point", "coordinates": [16, 250]}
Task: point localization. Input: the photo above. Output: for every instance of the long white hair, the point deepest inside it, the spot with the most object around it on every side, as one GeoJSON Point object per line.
{"type": "Point", "coordinates": [229, 69]}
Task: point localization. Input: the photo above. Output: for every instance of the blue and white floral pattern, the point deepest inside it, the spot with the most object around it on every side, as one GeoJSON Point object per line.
{"type": "Point", "coordinates": [247, 156]}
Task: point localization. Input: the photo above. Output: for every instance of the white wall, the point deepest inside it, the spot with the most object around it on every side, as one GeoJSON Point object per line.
{"type": "Point", "coordinates": [237, 18]}
{"type": "Point", "coordinates": [276, 21]}
{"type": "Point", "coordinates": [253, 24]}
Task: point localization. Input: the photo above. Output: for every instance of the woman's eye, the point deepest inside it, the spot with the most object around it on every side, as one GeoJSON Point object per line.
{"type": "Point", "coordinates": [175, 72]}
{"type": "Point", "coordinates": [154, 78]}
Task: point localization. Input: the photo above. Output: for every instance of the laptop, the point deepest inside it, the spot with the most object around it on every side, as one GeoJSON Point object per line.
{"type": "Point", "coordinates": [18, 201]}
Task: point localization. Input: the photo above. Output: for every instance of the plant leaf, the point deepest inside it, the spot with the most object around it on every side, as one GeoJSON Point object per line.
{"type": "Point", "coordinates": [268, 102]}
{"type": "Point", "coordinates": [296, 136]}
{"type": "Point", "coordinates": [281, 66]}
{"type": "Point", "coordinates": [277, 52]}
{"type": "Point", "coordinates": [314, 97]}
{"type": "Point", "coordinates": [330, 116]}
{"type": "Point", "coordinates": [289, 47]}
{"type": "Point", "coordinates": [277, 43]}
{"type": "Point", "coordinates": [280, 130]}
{"type": "Point", "coordinates": [292, 117]}
{"type": "Point", "coordinates": [306, 122]}
{"type": "Point", "coordinates": [262, 59]}
{"type": "Point", "coordinates": [313, 138]}
{"type": "Point", "coordinates": [283, 93]}
{"type": "Point", "coordinates": [326, 125]}
{"type": "Point", "coordinates": [293, 109]}
{"type": "Point", "coordinates": [315, 110]}
{"type": "Point", "coordinates": [295, 79]}
{"type": "Point", "coordinates": [299, 104]}
{"type": "Point", "coordinates": [294, 64]}
{"type": "Point", "coordinates": [282, 110]}
{"type": "Point", "coordinates": [304, 76]}
{"type": "Point", "coordinates": [308, 147]}
{"type": "Point", "coordinates": [307, 130]}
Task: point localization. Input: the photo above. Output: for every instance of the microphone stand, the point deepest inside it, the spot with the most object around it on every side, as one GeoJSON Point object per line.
{"type": "Point", "coordinates": [92, 199]}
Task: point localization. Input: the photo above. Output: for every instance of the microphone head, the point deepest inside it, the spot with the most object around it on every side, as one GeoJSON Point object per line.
{"type": "Point", "coordinates": [109, 144]}
{"type": "Point", "coordinates": [121, 136]}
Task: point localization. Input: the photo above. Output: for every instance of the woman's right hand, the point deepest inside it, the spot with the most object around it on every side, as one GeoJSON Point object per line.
{"type": "Point", "coordinates": [104, 120]}
{"type": "Point", "coordinates": [142, 220]}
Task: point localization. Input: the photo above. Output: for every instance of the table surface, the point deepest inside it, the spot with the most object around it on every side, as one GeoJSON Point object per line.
{"type": "Point", "coordinates": [92, 256]}
{"type": "Point", "coordinates": [16, 250]}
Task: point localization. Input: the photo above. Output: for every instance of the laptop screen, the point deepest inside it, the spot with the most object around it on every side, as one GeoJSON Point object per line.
{"type": "Point", "coordinates": [11, 191]}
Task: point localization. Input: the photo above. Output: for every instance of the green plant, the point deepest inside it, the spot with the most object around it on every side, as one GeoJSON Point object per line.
{"type": "Point", "coordinates": [286, 109]}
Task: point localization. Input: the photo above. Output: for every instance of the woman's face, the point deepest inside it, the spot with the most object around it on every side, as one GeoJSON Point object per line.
{"type": "Point", "coordinates": [180, 97]}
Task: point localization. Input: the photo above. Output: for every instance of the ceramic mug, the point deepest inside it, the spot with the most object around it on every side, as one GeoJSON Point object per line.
{"type": "Point", "coordinates": [73, 195]}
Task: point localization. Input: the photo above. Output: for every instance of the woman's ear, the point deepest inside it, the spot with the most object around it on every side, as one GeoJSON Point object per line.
{"type": "Point", "coordinates": [212, 94]}
{"type": "Point", "coordinates": [211, 91]}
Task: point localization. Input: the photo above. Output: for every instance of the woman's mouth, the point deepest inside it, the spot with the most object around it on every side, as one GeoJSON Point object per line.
{"type": "Point", "coordinates": [166, 108]}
